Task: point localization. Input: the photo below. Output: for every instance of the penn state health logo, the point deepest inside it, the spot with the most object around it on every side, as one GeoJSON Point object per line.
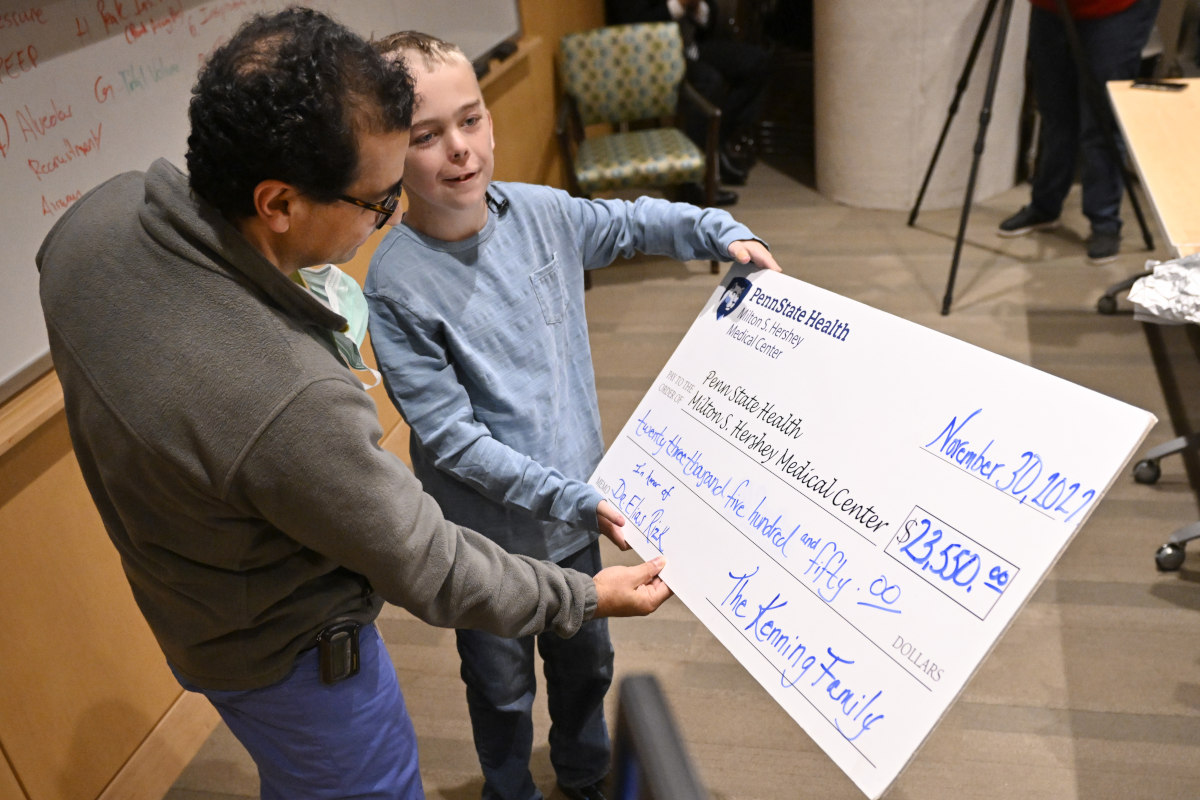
{"type": "Point", "coordinates": [735, 293]}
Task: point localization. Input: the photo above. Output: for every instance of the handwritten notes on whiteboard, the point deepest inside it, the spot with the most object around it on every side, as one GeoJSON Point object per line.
{"type": "Point", "coordinates": [92, 88]}
{"type": "Point", "coordinates": [856, 506]}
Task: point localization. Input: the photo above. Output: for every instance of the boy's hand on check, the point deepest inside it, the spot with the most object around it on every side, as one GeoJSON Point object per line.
{"type": "Point", "coordinates": [630, 591]}
{"type": "Point", "coordinates": [611, 524]}
{"type": "Point", "coordinates": [752, 251]}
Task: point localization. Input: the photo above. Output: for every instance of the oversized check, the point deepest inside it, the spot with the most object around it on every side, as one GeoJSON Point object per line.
{"type": "Point", "coordinates": [856, 506]}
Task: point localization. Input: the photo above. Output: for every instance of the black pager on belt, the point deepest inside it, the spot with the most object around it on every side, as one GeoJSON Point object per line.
{"type": "Point", "coordinates": [337, 648]}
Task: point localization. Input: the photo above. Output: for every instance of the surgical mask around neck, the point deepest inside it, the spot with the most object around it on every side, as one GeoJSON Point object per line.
{"type": "Point", "coordinates": [343, 295]}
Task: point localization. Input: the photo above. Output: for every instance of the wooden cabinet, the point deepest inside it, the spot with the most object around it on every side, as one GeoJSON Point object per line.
{"type": "Point", "coordinates": [9, 788]}
{"type": "Point", "coordinates": [84, 680]}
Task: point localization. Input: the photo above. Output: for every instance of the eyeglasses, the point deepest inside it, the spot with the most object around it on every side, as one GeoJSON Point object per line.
{"type": "Point", "coordinates": [384, 209]}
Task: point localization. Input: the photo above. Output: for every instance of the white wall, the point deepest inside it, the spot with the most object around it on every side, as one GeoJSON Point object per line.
{"type": "Point", "coordinates": [884, 78]}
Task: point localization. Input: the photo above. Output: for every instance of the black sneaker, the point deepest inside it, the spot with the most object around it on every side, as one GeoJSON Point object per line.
{"type": "Point", "coordinates": [593, 791]}
{"type": "Point", "coordinates": [1103, 247]}
{"type": "Point", "coordinates": [731, 173]}
{"type": "Point", "coordinates": [1027, 220]}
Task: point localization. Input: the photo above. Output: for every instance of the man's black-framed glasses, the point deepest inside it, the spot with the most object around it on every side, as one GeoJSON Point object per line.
{"type": "Point", "coordinates": [384, 209]}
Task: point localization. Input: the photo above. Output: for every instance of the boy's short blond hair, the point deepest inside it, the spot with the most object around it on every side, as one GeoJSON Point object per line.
{"type": "Point", "coordinates": [434, 52]}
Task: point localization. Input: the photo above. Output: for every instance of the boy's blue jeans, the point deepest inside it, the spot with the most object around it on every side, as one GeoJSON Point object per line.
{"type": "Point", "coordinates": [351, 739]}
{"type": "Point", "coordinates": [501, 684]}
{"type": "Point", "coordinates": [1112, 47]}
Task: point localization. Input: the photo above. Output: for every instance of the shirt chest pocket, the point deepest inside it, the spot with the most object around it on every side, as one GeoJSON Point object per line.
{"type": "Point", "coordinates": [550, 292]}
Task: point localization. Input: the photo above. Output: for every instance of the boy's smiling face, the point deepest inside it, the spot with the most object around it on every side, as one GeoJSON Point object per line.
{"type": "Point", "coordinates": [449, 163]}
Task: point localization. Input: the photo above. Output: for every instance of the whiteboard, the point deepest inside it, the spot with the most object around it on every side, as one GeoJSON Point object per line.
{"type": "Point", "coordinates": [92, 88]}
{"type": "Point", "coordinates": [856, 506]}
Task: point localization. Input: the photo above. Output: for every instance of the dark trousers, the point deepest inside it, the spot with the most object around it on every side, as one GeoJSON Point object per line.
{"type": "Point", "coordinates": [501, 684]}
{"type": "Point", "coordinates": [1112, 47]}
{"type": "Point", "coordinates": [733, 76]}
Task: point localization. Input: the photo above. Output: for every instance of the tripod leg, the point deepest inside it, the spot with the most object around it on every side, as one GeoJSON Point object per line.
{"type": "Point", "coordinates": [958, 93]}
{"type": "Point", "coordinates": [985, 116]}
{"type": "Point", "coordinates": [1101, 108]}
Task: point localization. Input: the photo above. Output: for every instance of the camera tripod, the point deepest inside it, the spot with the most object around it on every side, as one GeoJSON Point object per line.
{"type": "Point", "coordinates": [1093, 95]}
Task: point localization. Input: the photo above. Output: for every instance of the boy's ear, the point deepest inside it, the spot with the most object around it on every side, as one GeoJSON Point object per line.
{"type": "Point", "coordinates": [273, 204]}
{"type": "Point", "coordinates": [491, 128]}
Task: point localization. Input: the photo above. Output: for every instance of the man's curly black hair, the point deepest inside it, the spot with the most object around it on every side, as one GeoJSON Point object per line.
{"type": "Point", "coordinates": [285, 99]}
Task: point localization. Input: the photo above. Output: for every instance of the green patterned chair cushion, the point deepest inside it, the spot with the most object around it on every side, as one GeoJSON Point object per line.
{"type": "Point", "coordinates": [624, 72]}
{"type": "Point", "coordinates": [658, 157]}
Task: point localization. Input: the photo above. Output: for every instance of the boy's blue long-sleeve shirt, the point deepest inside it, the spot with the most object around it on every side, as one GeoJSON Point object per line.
{"type": "Point", "coordinates": [483, 346]}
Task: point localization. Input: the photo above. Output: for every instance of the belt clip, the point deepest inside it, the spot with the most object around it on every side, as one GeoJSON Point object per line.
{"type": "Point", "coordinates": [337, 648]}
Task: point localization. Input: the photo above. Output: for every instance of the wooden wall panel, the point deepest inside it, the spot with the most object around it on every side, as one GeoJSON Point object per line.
{"type": "Point", "coordinates": [524, 114]}
{"type": "Point", "coordinates": [9, 788]}
{"type": "Point", "coordinates": [152, 770]}
{"type": "Point", "coordinates": [84, 680]}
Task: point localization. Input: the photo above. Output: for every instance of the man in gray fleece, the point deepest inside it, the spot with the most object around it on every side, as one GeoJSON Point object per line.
{"type": "Point", "coordinates": [232, 454]}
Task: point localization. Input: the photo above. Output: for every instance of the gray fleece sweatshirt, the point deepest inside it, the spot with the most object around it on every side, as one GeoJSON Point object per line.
{"type": "Point", "coordinates": [233, 457]}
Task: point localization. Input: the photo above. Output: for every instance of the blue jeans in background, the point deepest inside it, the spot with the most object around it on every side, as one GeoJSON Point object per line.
{"type": "Point", "coordinates": [351, 739]}
{"type": "Point", "coordinates": [501, 684]}
{"type": "Point", "coordinates": [1112, 47]}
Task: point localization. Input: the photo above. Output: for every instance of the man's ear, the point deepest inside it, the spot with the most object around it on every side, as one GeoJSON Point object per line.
{"type": "Point", "coordinates": [275, 202]}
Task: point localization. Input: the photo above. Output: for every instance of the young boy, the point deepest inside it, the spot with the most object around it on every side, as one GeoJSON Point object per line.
{"type": "Point", "coordinates": [477, 321]}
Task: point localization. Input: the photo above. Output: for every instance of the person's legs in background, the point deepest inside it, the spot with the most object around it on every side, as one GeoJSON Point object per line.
{"type": "Point", "coordinates": [707, 81]}
{"type": "Point", "coordinates": [1113, 47]}
{"type": "Point", "coordinates": [1056, 93]}
{"type": "Point", "coordinates": [743, 68]}
{"type": "Point", "coordinates": [732, 75]}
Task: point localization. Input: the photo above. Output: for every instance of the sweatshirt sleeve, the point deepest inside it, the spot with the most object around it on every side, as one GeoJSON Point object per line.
{"type": "Point", "coordinates": [423, 383]}
{"type": "Point", "coordinates": [609, 229]}
{"type": "Point", "coordinates": [363, 509]}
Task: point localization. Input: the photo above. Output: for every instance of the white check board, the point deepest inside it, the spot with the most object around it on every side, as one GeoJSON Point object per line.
{"type": "Point", "coordinates": [856, 506]}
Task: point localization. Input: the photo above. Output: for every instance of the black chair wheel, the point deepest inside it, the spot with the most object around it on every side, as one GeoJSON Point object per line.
{"type": "Point", "coordinates": [1147, 471]}
{"type": "Point", "coordinates": [1107, 304]}
{"type": "Point", "coordinates": [1169, 557]}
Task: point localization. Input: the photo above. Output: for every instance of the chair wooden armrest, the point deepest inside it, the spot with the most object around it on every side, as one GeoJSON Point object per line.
{"type": "Point", "coordinates": [569, 132]}
{"type": "Point", "coordinates": [690, 94]}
